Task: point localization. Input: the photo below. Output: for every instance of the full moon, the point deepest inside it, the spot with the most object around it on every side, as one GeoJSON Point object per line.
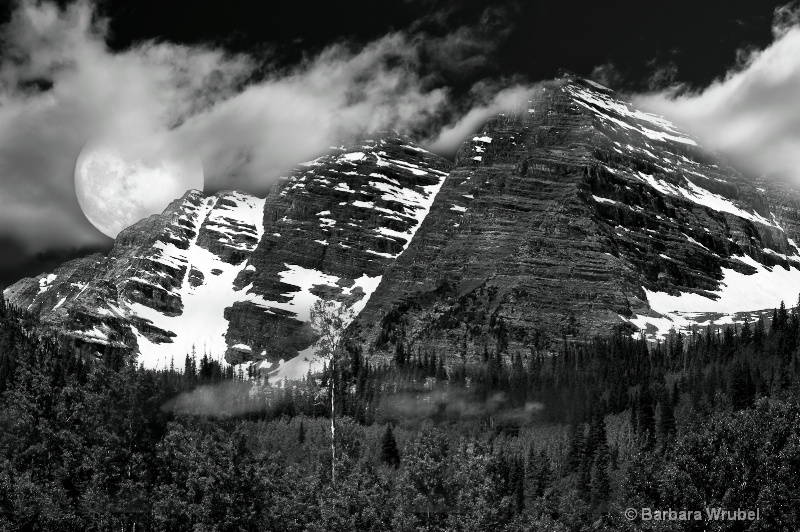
{"type": "Point", "coordinates": [118, 186]}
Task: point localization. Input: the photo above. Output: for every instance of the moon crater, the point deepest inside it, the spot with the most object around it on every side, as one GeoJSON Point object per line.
{"type": "Point", "coordinates": [117, 187]}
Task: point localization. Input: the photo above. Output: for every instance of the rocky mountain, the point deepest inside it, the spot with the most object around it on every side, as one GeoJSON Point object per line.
{"type": "Point", "coordinates": [576, 214]}
{"type": "Point", "coordinates": [570, 216]}
{"type": "Point", "coordinates": [236, 275]}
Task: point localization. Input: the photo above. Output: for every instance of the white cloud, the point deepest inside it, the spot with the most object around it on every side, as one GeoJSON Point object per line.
{"type": "Point", "coordinates": [509, 99]}
{"type": "Point", "coordinates": [251, 137]}
{"type": "Point", "coordinates": [60, 86]}
{"type": "Point", "coordinates": [752, 116]}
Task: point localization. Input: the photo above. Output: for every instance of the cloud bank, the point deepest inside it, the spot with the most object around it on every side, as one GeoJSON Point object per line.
{"type": "Point", "coordinates": [752, 115]}
{"type": "Point", "coordinates": [249, 122]}
{"type": "Point", "coordinates": [61, 86]}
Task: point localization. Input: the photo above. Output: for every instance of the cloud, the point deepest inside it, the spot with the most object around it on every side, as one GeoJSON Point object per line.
{"type": "Point", "coordinates": [752, 115]}
{"type": "Point", "coordinates": [250, 138]}
{"type": "Point", "coordinates": [662, 76]}
{"type": "Point", "coordinates": [60, 86]}
{"type": "Point", "coordinates": [785, 19]}
{"type": "Point", "coordinates": [453, 404]}
{"type": "Point", "coordinates": [606, 74]}
{"type": "Point", "coordinates": [221, 400]}
{"type": "Point", "coordinates": [482, 108]}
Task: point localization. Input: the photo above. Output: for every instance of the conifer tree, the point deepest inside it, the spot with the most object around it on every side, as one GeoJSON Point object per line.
{"type": "Point", "coordinates": [666, 420]}
{"type": "Point", "coordinates": [742, 390]}
{"type": "Point", "coordinates": [544, 473]}
{"type": "Point", "coordinates": [577, 446]}
{"type": "Point", "coordinates": [746, 335]}
{"type": "Point", "coordinates": [399, 354]}
{"type": "Point", "coordinates": [516, 480]}
{"type": "Point", "coordinates": [600, 488]}
{"type": "Point", "coordinates": [390, 454]}
{"type": "Point", "coordinates": [646, 416]}
{"type": "Point", "coordinates": [759, 332]}
{"type": "Point", "coordinates": [441, 372]}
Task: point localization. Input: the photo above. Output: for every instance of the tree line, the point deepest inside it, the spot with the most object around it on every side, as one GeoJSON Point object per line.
{"type": "Point", "coordinates": [563, 439]}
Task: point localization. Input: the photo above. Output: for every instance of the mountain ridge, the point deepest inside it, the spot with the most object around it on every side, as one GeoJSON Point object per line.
{"type": "Point", "coordinates": [597, 213]}
{"type": "Point", "coordinates": [254, 264]}
{"type": "Point", "coordinates": [568, 217]}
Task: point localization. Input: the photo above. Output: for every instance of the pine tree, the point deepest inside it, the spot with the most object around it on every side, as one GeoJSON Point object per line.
{"type": "Point", "coordinates": [646, 428]}
{"type": "Point", "coordinates": [759, 332]}
{"type": "Point", "coordinates": [441, 372]}
{"type": "Point", "coordinates": [597, 458]}
{"type": "Point", "coordinates": [746, 335]}
{"type": "Point", "coordinates": [390, 454]}
{"type": "Point", "coordinates": [577, 446]}
{"type": "Point", "coordinates": [600, 484]}
{"type": "Point", "coordinates": [301, 434]}
{"type": "Point", "coordinates": [399, 354]}
{"type": "Point", "coordinates": [666, 420]}
{"type": "Point", "coordinates": [516, 480]}
{"type": "Point", "coordinates": [597, 439]}
{"type": "Point", "coordinates": [544, 473]}
{"type": "Point", "coordinates": [742, 390]}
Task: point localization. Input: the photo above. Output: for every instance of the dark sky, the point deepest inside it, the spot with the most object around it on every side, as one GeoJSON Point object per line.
{"type": "Point", "coordinates": [533, 39]}
{"type": "Point", "coordinates": [466, 48]}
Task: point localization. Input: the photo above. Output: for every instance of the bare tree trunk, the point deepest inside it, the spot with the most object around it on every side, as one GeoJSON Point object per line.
{"type": "Point", "coordinates": [333, 419]}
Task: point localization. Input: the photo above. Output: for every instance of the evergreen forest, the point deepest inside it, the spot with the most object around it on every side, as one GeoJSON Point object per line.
{"type": "Point", "coordinates": [562, 438]}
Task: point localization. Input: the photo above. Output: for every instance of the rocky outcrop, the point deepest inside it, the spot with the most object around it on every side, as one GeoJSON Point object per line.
{"type": "Point", "coordinates": [234, 275]}
{"type": "Point", "coordinates": [569, 217]}
{"type": "Point", "coordinates": [563, 219]}
{"type": "Point", "coordinates": [334, 227]}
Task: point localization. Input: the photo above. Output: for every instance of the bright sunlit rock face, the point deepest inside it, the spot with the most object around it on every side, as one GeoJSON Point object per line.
{"type": "Point", "coordinates": [118, 186]}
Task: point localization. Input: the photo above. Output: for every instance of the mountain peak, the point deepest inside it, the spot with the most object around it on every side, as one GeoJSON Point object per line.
{"type": "Point", "coordinates": [235, 275]}
{"type": "Point", "coordinates": [570, 217]}
{"type": "Point", "coordinates": [577, 214]}
{"type": "Point", "coordinates": [567, 76]}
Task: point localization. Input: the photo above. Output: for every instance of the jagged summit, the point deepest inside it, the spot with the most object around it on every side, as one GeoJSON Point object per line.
{"type": "Point", "coordinates": [576, 214]}
{"type": "Point", "coordinates": [571, 77]}
{"type": "Point", "coordinates": [235, 275]}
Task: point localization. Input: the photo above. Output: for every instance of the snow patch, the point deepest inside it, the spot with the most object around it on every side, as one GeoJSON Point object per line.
{"type": "Point", "coordinates": [201, 325]}
{"type": "Point", "coordinates": [604, 200]}
{"type": "Point", "coordinates": [306, 360]}
{"type": "Point", "coordinates": [738, 292]}
{"type": "Point", "coordinates": [46, 282]}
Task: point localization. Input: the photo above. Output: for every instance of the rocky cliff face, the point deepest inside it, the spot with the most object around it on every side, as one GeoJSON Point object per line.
{"type": "Point", "coordinates": [570, 216]}
{"type": "Point", "coordinates": [576, 214]}
{"type": "Point", "coordinates": [236, 275]}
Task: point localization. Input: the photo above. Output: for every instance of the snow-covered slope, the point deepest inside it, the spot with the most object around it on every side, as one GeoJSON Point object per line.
{"type": "Point", "coordinates": [233, 222]}
{"type": "Point", "coordinates": [577, 213]}
{"type": "Point", "coordinates": [338, 222]}
{"type": "Point", "coordinates": [676, 170]}
{"type": "Point", "coordinates": [235, 276]}
{"type": "Point", "coordinates": [569, 216]}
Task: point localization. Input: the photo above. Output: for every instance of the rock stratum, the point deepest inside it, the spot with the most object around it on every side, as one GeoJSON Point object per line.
{"type": "Point", "coordinates": [578, 213]}
{"type": "Point", "coordinates": [234, 274]}
{"type": "Point", "coordinates": [567, 217]}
